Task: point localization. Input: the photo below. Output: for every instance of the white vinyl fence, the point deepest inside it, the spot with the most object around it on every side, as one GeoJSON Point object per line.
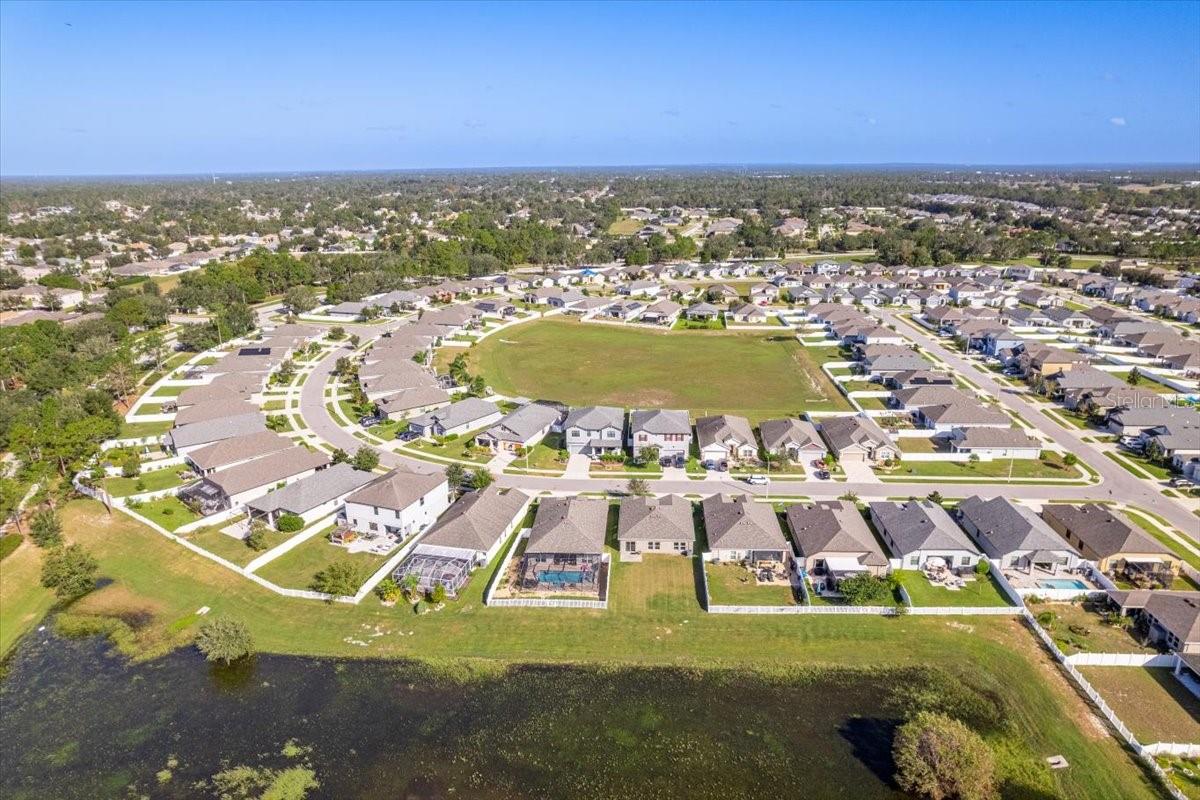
{"type": "Point", "coordinates": [490, 599]}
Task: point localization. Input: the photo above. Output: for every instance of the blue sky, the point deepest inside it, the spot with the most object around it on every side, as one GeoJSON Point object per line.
{"type": "Point", "coordinates": [111, 88]}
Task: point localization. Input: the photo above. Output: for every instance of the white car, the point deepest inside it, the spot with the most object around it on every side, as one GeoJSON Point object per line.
{"type": "Point", "coordinates": [757, 480]}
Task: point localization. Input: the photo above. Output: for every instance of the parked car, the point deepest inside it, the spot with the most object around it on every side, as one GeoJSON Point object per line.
{"type": "Point", "coordinates": [665, 461]}
{"type": "Point", "coordinates": [1181, 482]}
{"type": "Point", "coordinates": [407, 436]}
{"type": "Point", "coordinates": [723, 466]}
{"type": "Point", "coordinates": [823, 474]}
{"type": "Point", "coordinates": [680, 461]}
{"type": "Point", "coordinates": [757, 480]}
{"type": "Point", "coordinates": [709, 465]}
{"type": "Point", "coordinates": [369, 422]}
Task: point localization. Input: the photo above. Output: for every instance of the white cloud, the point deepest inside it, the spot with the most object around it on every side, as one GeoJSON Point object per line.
{"type": "Point", "coordinates": [1118, 121]}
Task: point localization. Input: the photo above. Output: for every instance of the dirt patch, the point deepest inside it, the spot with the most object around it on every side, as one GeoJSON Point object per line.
{"type": "Point", "coordinates": [118, 602]}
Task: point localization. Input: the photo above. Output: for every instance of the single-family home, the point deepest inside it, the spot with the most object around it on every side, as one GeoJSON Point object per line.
{"type": "Point", "coordinates": [1015, 536]}
{"type": "Point", "coordinates": [456, 419]}
{"type": "Point", "coordinates": [702, 312]}
{"type": "Point", "coordinates": [1111, 542]}
{"type": "Point", "coordinates": [739, 529]}
{"type": "Point", "coordinates": [664, 312]}
{"type": "Point", "coordinates": [993, 443]}
{"type": "Point", "coordinates": [186, 438]}
{"type": "Point", "coordinates": [565, 548]}
{"type": "Point", "coordinates": [857, 439]}
{"type": "Point", "coordinates": [310, 498]}
{"type": "Point", "coordinates": [232, 488]}
{"type": "Point", "coordinates": [795, 439]}
{"type": "Point", "coordinates": [669, 430]}
{"type": "Point", "coordinates": [834, 543]}
{"type": "Point", "coordinates": [595, 430]}
{"type": "Point", "coordinates": [468, 535]}
{"type": "Point", "coordinates": [725, 437]}
{"type": "Point", "coordinates": [918, 531]}
{"type": "Point", "coordinates": [1172, 619]}
{"type": "Point", "coordinates": [400, 502]}
{"type": "Point", "coordinates": [655, 525]}
{"type": "Point", "coordinates": [238, 450]}
{"type": "Point", "coordinates": [523, 427]}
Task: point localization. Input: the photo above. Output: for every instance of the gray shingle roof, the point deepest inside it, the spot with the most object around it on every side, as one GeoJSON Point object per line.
{"type": "Point", "coordinates": [524, 422]}
{"type": "Point", "coordinates": [465, 412]}
{"type": "Point", "coordinates": [270, 468]}
{"type": "Point", "coordinates": [722, 428]}
{"type": "Point", "coordinates": [398, 489]}
{"type": "Point", "coordinates": [1101, 531]}
{"type": "Point", "coordinates": [834, 526]}
{"type": "Point", "coordinates": [308, 493]}
{"type": "Point", "coordinates": [594, 418]}
{"type": "Point", "coordinates": [739, 523]}
{"type": "Point", "coordinates": [779, 433]}
{"type": "Point", "coordinates": [667, 519]}
{"type": "Point", "coordinates": [1004, 527]}
{"type": "Point", "coordinates": [920, 525]}
{"type": "Point", "coordinates": [659, 421]}
{"type": "Point", "coordinates": [842, 432]}
{"type": "Point", "coordinates": [476, 520]}
{"type": "Point", "coordinates": [239, 448]}
{"type": "Point", "coordinates": [215, 430]}
{"type": "Point", "coordinates": [568, 525]}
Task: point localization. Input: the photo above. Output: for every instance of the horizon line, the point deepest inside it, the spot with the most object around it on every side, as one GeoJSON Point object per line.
{"type": "Point", "coordinates": [716, 165]}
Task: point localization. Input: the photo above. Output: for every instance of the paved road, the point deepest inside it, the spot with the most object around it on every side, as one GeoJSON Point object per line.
{"type": "Point", "coordinates": [1118, 484]}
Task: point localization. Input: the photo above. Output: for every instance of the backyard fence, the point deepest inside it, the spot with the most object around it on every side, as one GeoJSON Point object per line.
{"type": "Point", "coordinates": [1120, 660]}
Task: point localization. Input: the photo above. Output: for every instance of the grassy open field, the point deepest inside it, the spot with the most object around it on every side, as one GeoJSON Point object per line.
{"type": "Point", "coordinates": [625, 227]}
{"type": "Point", "coordinates": [1155, 706]}
{"type": "Point", "coordinates": [654, 619]}
{"type": "Point", "coordinates": [154, 481]}
{"type": "Point", "coordinates": [295, 568]}
{"type": "Point", "coordinates": [1029, 468]}
{"type": "Point", "coordinates": [755, 374]}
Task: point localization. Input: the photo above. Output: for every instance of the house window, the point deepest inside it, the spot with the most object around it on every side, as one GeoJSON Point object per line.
{"type": "Point", "coordinates": [966, 561]}
{"type": "Point", "coordinates": [915, 561]}
{"type": "Point", "coordinates": [631, 547]}
{"type": "Point", "coordinates": [396, 514]}
{"type": "Point", "coordinates": [375, 510]}
{"type": "Point", "coordinates": [680, 547]}
{"type": "Point", "coordinates": [373, 526]}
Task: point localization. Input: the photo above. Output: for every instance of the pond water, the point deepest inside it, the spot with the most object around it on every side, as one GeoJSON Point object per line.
{"type": "Point", "coordinates": [79, 722]}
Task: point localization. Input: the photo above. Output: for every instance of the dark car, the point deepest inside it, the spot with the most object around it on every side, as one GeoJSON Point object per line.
{"type": "Point", "coordinates": [823, 475]}
{"type": "Point", "coordinates": [665, 461]}
{"type": "Point", "coordinates": [369, 422]}
{"type": "Point", "coordinates": [680, 461]}
{"type": "Point", "coordinates": [407, 436]}
{"type": "Point", "coordinates": [723, 466]}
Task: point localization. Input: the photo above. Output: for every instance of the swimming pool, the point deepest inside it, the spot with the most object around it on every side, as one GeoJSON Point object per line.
{"type": "Point", "coordinates": [1062, 583]}
{"type": "Point", "coordinates": [560, 577]}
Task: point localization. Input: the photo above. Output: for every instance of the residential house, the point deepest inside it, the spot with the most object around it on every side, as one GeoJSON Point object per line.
{"type": "Point", "coordinates": [1110, 541]}
{"type": "Point", "coordinates": [456, 419]}
{"type": "Point", "coordinates": [795, 439]}
{"type": "Point", "coordinates": [186, 438]}
{"type": "Point", "coordinates": [949, 417]}
{"type": "Point", "coordinates": [522, 428]}
{"type": "Point", "coordinates": [1015, 536]}
{"type": "Point", "coordinates": [469, 535]}
{"type": "Point", "coordinates": [702, 312]}
{"type": "Point", "coordinates": [740, 529]}
{"type": "Point", "coordinates": [595, 430]}
{"type": "Point", "coordinates": [1172, 619]}
{"type": "Point", "coordinates": [857, 439]}
{"type": "Point", "coordinates": [834, 543]}
{"type": "Point", "coordinates": [567, 532]}
{"type": "Point", "coordinates": [994, 443]}
{"type": "Point", "coordinates": [668, 430]}
{"type": "Point", "coordinates": [919, 531]}
{"type": "Point", "coordinates": [400, 503]}
{"type": "Point", "coordinates": [655, 525]}
{"type": "Point", "coordinates": [231, 488]}
{"type": "Point", "coordinates": [664, 312]}
{"type": "Point", "coordinates": [310, 498]}
{"type": "Point", "coordinates": [725, 437]}
{"type": "Point", "coordinates": [237, 450]}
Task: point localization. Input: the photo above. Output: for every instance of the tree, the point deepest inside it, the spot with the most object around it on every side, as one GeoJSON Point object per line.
{"type": "Point", "coordinates": [340, 456]}
{"type": "Point", "coordinates": [409, 584]}
{"type": "Point", "coordinates": [365, 459]}
{"type": "Point", "coordinates": [638, 487]}
{"type": "Point", "coordinates": [300, 299]}
{"type": "Point", "coordinates": [941, 758]}
{"type": "Point", "coordinates": [437, 595]}
{"type": "Point", "coordinates": [388, 590]}
{"type": "Point", "coordinates": [865, 589]}
{"type": "Point", "coordinates": [70, 571]}
{"type": "Point", "coordinates": [224, 639]}
{"type": "Point", "coordinates": [455, 475]}
{"type": "Point", "coordinates": [1070, 459]}
{"type": "Point", "coordinates": [46, 528]}
{"type": "Point", "coordinates": [339, 578]}
{"type": "Point", "coordinates": [154, 345]}
{"type": "Point", "coordinates": [256, 539]}
{"type": "Point", "coordinates": [481, 478]}
{"type": "Point", "coordinates": [1134, 377]}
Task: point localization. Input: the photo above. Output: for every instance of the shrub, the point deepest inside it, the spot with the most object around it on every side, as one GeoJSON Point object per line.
{"type": "Point", "coordinates": [289, 523]}
{"type": "Point", "coordinates": [131, 467]}
{"type": "Point", "coordinates": [388, 590]}
{"type": "Point", "coordinates": [339, 578]}
{"type": "Point", "coordinates": [224, 639]}
{"type": "Point", "coordinates": [983, 567]}
{"type": "Point", "coordinates": [257, 538]}
{"type": "Point", "coordinates": [46, 528]}
{"type": "Point", "coordinates": [437, 595]}
{"type": "Point", "coordinates": [69, 571]}
{"type": "Point", "coordinates": [1046, 619]}
{"type": "Point", "coordinates": [939, 757]}
{"type": "Point", "coordinates": [865, 589]}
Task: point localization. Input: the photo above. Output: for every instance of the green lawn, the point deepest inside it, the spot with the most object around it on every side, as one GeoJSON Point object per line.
{"type": "Point", "coordinates": [138, 430]}
{"type": "Point", "coordinates": [1152, 529]}
{"type": "Point", "coordinates": [1076, 628]}
{"type": "Point", "coordinates": [916, 444]}
{"type": "Point", "coordinates": [229, 548]}
{"type": "Point", "coordinates": [156, 481]}
{"type": "Point", "coordinates": [462, 448]}
{"type": "Point", "coordinates": [732, 584]}
{"type": "Point", "coordinates": [1125, 458]}
{"type": "Point", "coordinates": [1149, 384]}
{"type": "Point", "coordinates": [1155, 706]}
{"type": "Point", "coordinates": [652, 620]}
{"type": "Point", "coordinates": [977, 593]}
{"type": "Point", "coordinates": [544, 455]}
{"type": "Point", "coordinates": [1022, 468]}
{"type": "Point", "coordinates": [295, 569]}
{"type": "Point", "coordinates": [625, 227]}
{"type": "Point", "coordinates": [650, 469]}
{"type": "Point", "coordinates": [755, 374]}
{"type": "Point", "coordinates": [682, 324]}
{"type": "Point", "coordinates": [169, 391]}
{"type": "Point", "coordinates": [169, 512]}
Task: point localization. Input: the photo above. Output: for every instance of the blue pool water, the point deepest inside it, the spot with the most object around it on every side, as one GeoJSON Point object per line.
{"type": "Point", "coordinates": [561, 577]}
{"type": "Point", "coordinates": [1062, 583]}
